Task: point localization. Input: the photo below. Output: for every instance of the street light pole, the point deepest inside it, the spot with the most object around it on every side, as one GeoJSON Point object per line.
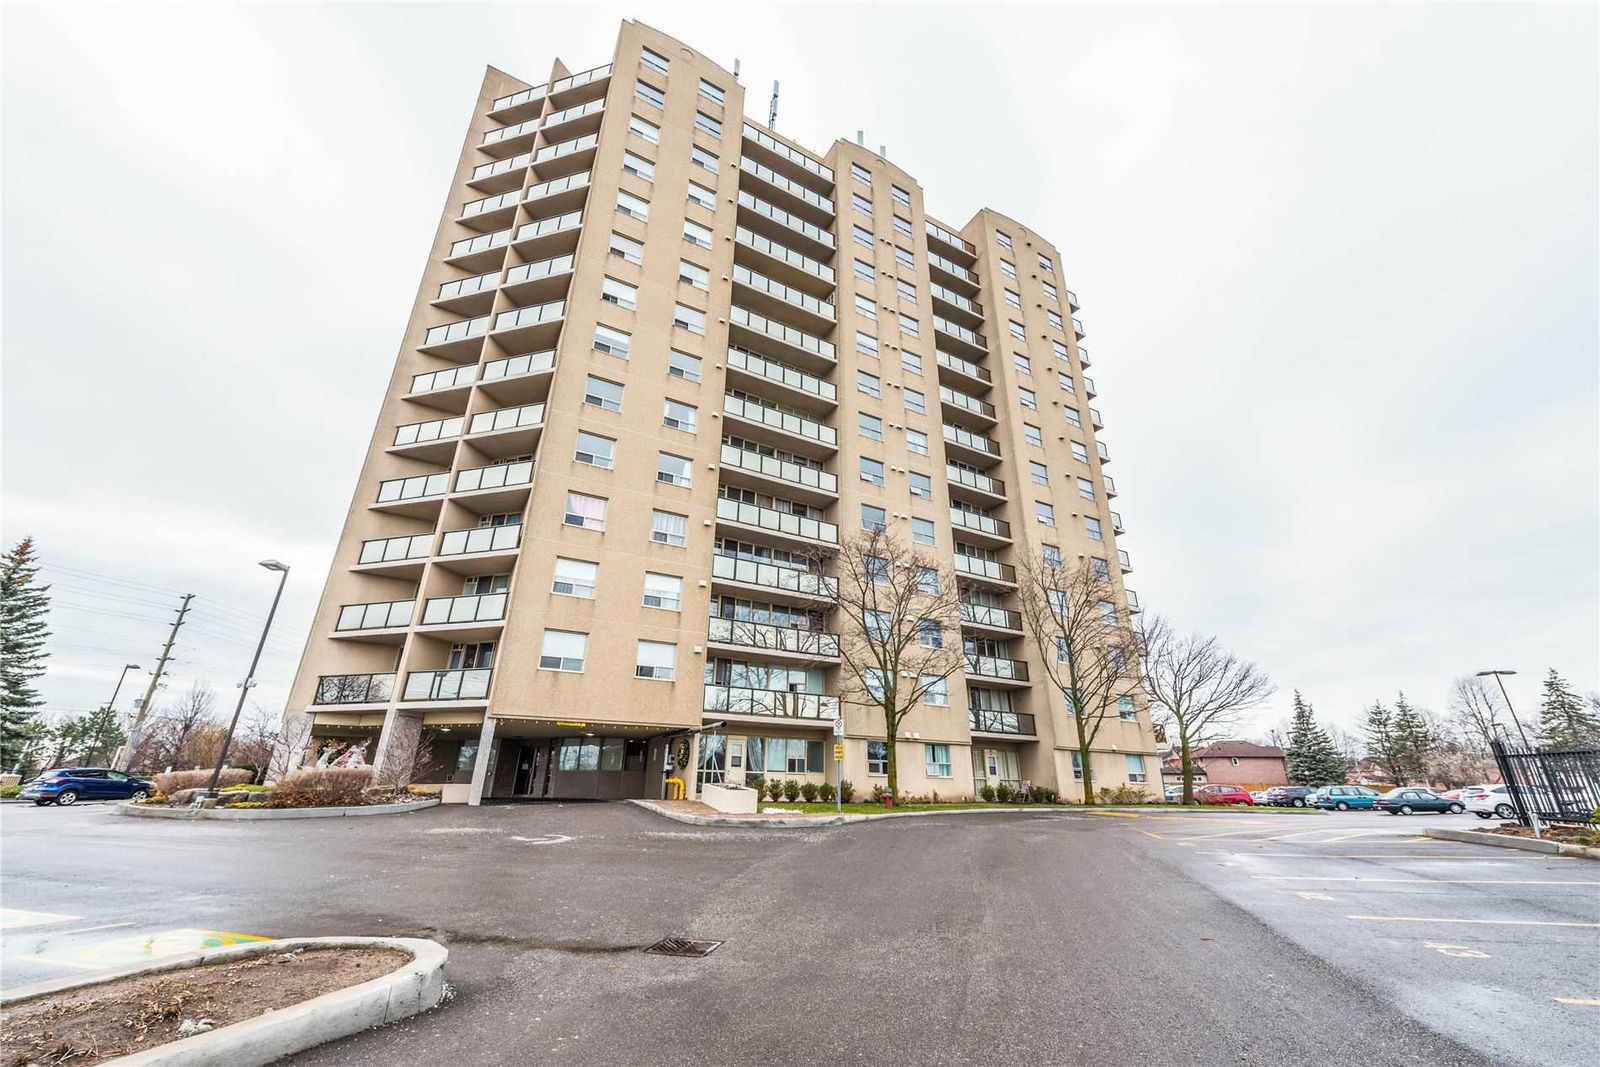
{"type": "Point", "coordinates": [112, 705]}
{"type": "Point", "coordinates": [249, 678]}
{"type": "Point", "coordinates": [1509, 707]}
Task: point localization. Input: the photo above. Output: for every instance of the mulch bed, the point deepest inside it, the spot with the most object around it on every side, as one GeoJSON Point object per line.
{"type": "Point", "coordinates": [1565, 834]}
{"type": "Point", "coordinates": [102, 1022]}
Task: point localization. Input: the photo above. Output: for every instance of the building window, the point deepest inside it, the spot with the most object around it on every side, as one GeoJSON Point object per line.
{"type": "Point", "coordinates": [922, 532]}
{"type": "Point", "coordinates": [612, 342]}
{"type": "Point", "coordinates": [1028, 397]}
{"type": "Point", "coordinates": [910, 361]}
{"type": "Point", "coordinates": [1004, 239]}
{"type": "Point", "coordinates": [876, 570]}
{"type": "Point", "coordinates": [910, 326]}
{"type": "Point", "coordinates": [683, 365]}
{"type": "Point", "coordinates": [619, 293]}
{"type": "Point", "coordinates": [916, 442]}
{"type": "Point", "coordinates": [627, 248]}
{"type": "Point", "coordinates": [878, 758]}
{"type": "Point", "coordinates": [712, 92]}
{"type": "Point", "coordinates": [1126, 709]}
{"type": "Point", "coordinates": [1033, 434]}
{"type": "Point", "coordinates": [1023, 364]}
{"type": "Point", "coordinates": [674, 470]}
{"type": "Point", "coordinates": [1046, 513]}
{"type": "Point", "coordinates": [863, 270]}
{"type": "Point", "coordinates": [860, 173]}
{"type": "Point", "coordinates": [921, 485]}
{"type": "Point", "coordinates": [1008, 268]}
{"type": "Point", "coordinates": [861, 203]}
{"type": "Point", "coordinates": [563, 650]}
{"type": "Point", "coordinates": [669, 529]}
{"type": "Point", "coordinates": [655, 659]}
{"type": "Point", "coordinates": [644, 128]}
{"type": "Point", "coordinates": [872, 470]}
{"type": "Point", "coordinates": [1045, 264]}
{"type": "Point", "coordinates": [638, 166]}
{"type": "Point", "coordinates": [694, 274]}
{"type": "Point", "coordinates": [1077, 765]}
{"type": "Point", "coordinates": [1135, 768]}
{"type": "Point", "coordinates": [595, 450]}
{"type": "Point", "coordinates": [1064, 380]}
{"type": "Point", "coordinates": [663, 591]}
{"type": "Point", "coordinates": [927, 583]}
{"type": "Point", "coordinates": [690, 319]}
{"type": "Point", "coordinates": [654, 60]}
{"type": "Point", "coordinates": [869, 426]}
{"type": "Point", "coordinates": [706, 124]}
{"type": "Point", "coordinates": [866, 306]}
{"type": "Point", "coordinates": [649, 94]}
{"type": "Point", "coordinates": [603, 394]}
{"type": "Point", "coordinates": [936, 758]}
{"type": "Point", "coordinates": [904, 257]}
{"type": "Point", "coordinates": [575, 577]}
{"type": "Point", "coordinates": [902, 226]}
{"type": "Point", "coordinates": [1080, 451]}
{"type": "Point", "coordinates": [1059, 349]}
{"type": "Point", "coordinates": [587, 512]}
{"type": "Point", "coordinates": [699, 194]}
{"type": "Point", "coordinates": [870, 384]}
{"type": "Point", "coordinates": [916, 401]}
{"type": "Point", "coordinates": [1108, 612]}
{"type": "Point", "coordinates": [1100, 569]}
{"type": "Point", "coordinates": [1073, 417]}
{"type": "Point", "coordinates": [1091, 526]}
{"type": "Point", "coordinates": [874, 517]}
{"type": "Point", "coordinates": [907, 290]}
{"type": "Point", "coordinates": [936, 691]}
{"type": "Point", "coordinates": [703, 159]}
{"type": "Point", "coordinates": [1014, 299]}
{"type": "Point", "coordinates": [1016, 330]}
{"type": "Point", "coordinates": [697, 234]}
{"type": "Point", "coordinates": [1038, 472]}
{"type": "Point", "coordinates": [861, 236]}
{"type": "Point", "coordinates": [1086, 488]}
{"type": "Point", "coordinates": [1055, 319]}
{"type": "Point", "coordinates": [632, 206]}
{"type": "Point", "coordinates": [1051, 554]}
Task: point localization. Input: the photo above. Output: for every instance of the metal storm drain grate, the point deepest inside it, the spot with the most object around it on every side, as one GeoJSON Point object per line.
{"type": "Point", "coordinates": [684, 946]}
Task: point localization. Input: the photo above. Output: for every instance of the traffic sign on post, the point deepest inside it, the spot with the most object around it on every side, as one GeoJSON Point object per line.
{"type": "Point", "coordinates": [838, 726]}
{"type": "Point", "coordinates": [838, 753]}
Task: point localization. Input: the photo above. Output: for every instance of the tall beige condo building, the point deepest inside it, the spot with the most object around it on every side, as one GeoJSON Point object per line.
{"type": "Point", "coordinates": [662, 359]}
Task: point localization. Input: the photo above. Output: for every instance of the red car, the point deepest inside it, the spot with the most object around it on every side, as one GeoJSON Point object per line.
{"type": "Point", "coordinates": [1223, 794]}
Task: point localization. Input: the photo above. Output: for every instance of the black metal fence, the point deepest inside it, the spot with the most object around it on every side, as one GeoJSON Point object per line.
{"type": "Point", "coordinates": [1557, 785]}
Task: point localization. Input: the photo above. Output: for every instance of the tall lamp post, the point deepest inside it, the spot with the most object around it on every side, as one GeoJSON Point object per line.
{"type": "Point", "coordinates": [250, 678]}
{"type": "Point", "coordinates": [1507, 696]}
{"type": "Point", "coordinates": [112, 704]}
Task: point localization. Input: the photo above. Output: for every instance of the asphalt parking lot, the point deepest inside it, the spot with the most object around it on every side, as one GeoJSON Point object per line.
{"type": "Point", "coordinates": [1172, 938]}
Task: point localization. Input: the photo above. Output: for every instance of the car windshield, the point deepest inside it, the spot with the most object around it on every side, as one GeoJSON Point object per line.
{"type": "Point", "coordinates": [55, 773]}
{"type": "Point", "coordinates": [1394, 793]}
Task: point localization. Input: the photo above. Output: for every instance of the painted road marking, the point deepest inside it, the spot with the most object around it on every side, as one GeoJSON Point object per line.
{"type": "Point", "coordinates": [1115, 814]}
{"type": "Point", "coordinates": [86, 929]}
{"type": "Point", "coordinates": [1441, 881]}
{"type": "Point", "coordinates": [1475, 922]}
{"type": "Point", "coordinates": [1460, 857]}
{"type": "Point", "coordinates": [1577, 1000]}
{"type": "Point", "coordinates": [1459, 951]}
{"type": "Point", "coordinates": [544, 839]}
{"type": "Point", "coordinates": [16, 918]}
{"type": "Point", "coordinates": [1303, 895]}
{"type": "Point", "coordinates": [140, 948]}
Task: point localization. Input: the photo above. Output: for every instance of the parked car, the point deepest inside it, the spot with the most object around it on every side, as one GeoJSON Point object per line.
{"type": "Point", "coordinates": [1485, 801]}
{"type": "Point", "coordinates": [1289, 796]}
{"type": "Point", "coordinates": [1258, 796]}
{"type": "Point", "coordinates": [1172, 794]}
{"type": "Point", "coordinates": [68, 785]}
{"type": "Point", "coordinates": [1343, 797]}
{"type": "Point", "coordinates": [1223, 794]}
{"type": "Point", "coordinates": [1411, 799]}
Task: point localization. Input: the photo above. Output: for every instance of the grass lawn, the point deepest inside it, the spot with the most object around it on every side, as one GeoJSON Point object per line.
{"type": "Point", "coordinates": [868, 808]}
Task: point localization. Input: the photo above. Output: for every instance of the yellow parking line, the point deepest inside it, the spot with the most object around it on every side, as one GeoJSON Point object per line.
{"type": "Point", "coordinates": [1319, 830]}
{"type": "Point", "coordinates": [1226, 833]}
{"type": "Point", "coordinates": [1113, 814]}
{"type": "Point", "coordinates": [1474, 922]}
{"type": "Point", "coordinates": [1577, 1000]}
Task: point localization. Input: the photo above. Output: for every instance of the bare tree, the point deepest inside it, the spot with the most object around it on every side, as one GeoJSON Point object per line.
{"type": "Point", "coordinates": [289, 740]}
{"type": "Point", "coordinates": [1089, 652]}
{"type": "Point", "coordinates": [183, 725]}
{"type": "Point", "coordinates": [900, 629]}
{"type": "Point", "coordinates": [1200, 689]}
{"type": "Point", "coordinates": [407, 755]}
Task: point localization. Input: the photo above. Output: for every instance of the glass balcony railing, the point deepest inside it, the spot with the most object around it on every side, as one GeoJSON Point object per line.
{"type": "Point", "coordinates": [1096, 420]}
{"type": "Point", "coordinates": [1089, 389]}
{"type": "Point", "coordinates": [1100, 450]}
{"type": "Point", "coordinates": [962, 366]}
{"type": "Point", "coordinates": [460, 330]}
{"type": "Point", "coordinates": [954, 241]}
{"type": "Point", "coordinates": [805, 301]}
{"type": "Point", "coordinates": [556, 185]}
{"type": "Point", "coordinates": [545, 268]}
{"type": "Point", "coordinates": [771, 576]}
{"type": "Point", "coordinates": [495, 476]}
{"type": "Point", "coordinates": [415, 487]}
{"type": "Point", "coordinates": [777, 521]}
{"type": "Point", "coordinates": [506, 133]}
{"type": "Point", "coordinates": [955, 435]}
{"type": "Point", "coordinates": [574, 81]}
{"type": "Point", "coordinates": [531, 316]}
{"type": "Point", "coordinates": [1124, 560]}
{"type": "Point", "coordinates": [1072, 299]}
{"type": "Point", "coordinates": [988, 615]}
{"type": "Point", "coordinates": [774, 638]}
{"type": "Point", "coordinates": [395, 549]}
{"type": "Point", "coordinates": [470, 683]}
{"type": "Point", "coordinates": [798, 158]}
{"type": "Point", "coordinates": [512, 366]}
{"type": "Point", "coordinates": [971, 337]}
{"type": "Point", "coordinates": [1077, 328]}
{"type": "Point", "coordinates": [443, 379]}
{"type": "Point", "coordinates": [952, 268]}
{"type": "Point", "coordinates": [782, 374]}
{"type": "Point", "coordinates": [974, 480]}
{"type": "Point", "coordinates": [474, 208]}
{"type": "Point", "coordinates": [1116, 522]}
{"type": "Point", "coordinates": [986, 721]}
{"type": "Point", "coordinates": [1110, 484]}
{"type": "Point", "coordinates": [965, 402]}
{"type": "Point", "coordinates": [781, 420]}
{"type": "Point", "coordinates": [787, 255]}
{"type": "Point", "coordinates": [474, 607]}
{"type": "Point", "coordinates": [782, 469]}
{"type": "Point", "coordinates": [507, 419]}
{"type": "Point", "coordinates": [979, 523]}
{"type": "Point", "coordinates": [577, 111]}
{"type": "Point", "coordinates": [985, 568]}
{"type": "Point", "coordinates": [354, 689]}
{"type": "Point", "coordinates": [484, 242]}
{"type": "Point", "coordinates": [793, 188]}
{"type": "Point", "coordinates": [525, 96]}
{"type": "Point", "coordinates": [1133, 602]}
{"type": "Point", "coordinates": [501, 166]}
{"type": "Point", "coordinates": [950, 296]}
{"type": "Point", "coordinates": [553, 224]}
{"type": "Point", "coordinates": [481, 539]}
{"type": "Point", "coordinates": [783, 218]}
{"type": "Point", "coordinates": [779, 332]}
{"type": "Point", "coordinates": [420, 433]}
{"type": "Point", "coordinates": [733, 700]}
{"type": "Point", "coordinates": [566, 148]}
{"type": "Point", "coordinates": [382, 615]}
{"type": "Point", "coordinates": [1010, 670]}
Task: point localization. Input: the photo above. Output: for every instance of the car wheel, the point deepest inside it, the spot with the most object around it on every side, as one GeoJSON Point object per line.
{"type": "Point", "coordinates": [140, 794]}
{"type": "Point", "coordinates": [1405, 809]}
{"type": "Point", "coordinates": [41, 803]}
{"type": "Point", "coordinates": [1456, 809]}
{"type": "Point", "coordinates": [1481, 814]}
{"type": "Point", "coordinates": [1298, 802]}
{"type": "Point", "coordinates": [1504, 811]}
{"type": "Point", "coordinates": [67, 797]}
{"type": "Point", "coordinates": [1342, 806]}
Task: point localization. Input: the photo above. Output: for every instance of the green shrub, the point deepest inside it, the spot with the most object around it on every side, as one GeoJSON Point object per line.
{"type": "Point", "coordinates": [774, 789]}
{"type": "Point", "coordinates": [9, 791]}
{"type": "Point", "coordinates": [847, 790]}
{"type": "Point", "coordinates": [756, 782]}
{"type": "Point", "coordinates": [1122, 794]}
{"type": "Point", "coordinates": [809, 791]}
{"type": "Point", "coordinates": [987, 792]}
{"type": "Point", "coordinates": [877, 793]}
{"type": "Point", "coordinates": [791, 790]}
{"type": "Point", "coordinates": [1041, 795]}
{"type": "Point", "coordinates": [249, 804]}
{"type": "Point", "coordinates": [1003, 792]}
{"type": "Point", "coordinates": [825, 792]}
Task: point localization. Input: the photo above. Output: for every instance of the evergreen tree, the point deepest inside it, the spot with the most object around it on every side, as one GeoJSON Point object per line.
{"type": "Point", "coordinates": [24, 603]}
{"type": "Point", "coordinates": [1414, 742]}
{"type": "Point", "coordinates": [1382, 744]}
{"type": "Point", "coordinates": [101, 735]}
{"type": "Point", "coordinates": [1565, 720]}
{"type": "Point", "coordinates": [1312, 757]}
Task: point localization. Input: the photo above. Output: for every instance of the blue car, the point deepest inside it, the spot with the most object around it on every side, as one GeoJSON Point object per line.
{"type": "Point", "coordinates": [1343, 798]}
{"type": "Point", "coordinates": [68, 785]}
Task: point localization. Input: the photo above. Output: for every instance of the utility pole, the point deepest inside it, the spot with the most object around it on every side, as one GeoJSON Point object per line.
{"type": "Point", "coordinates": [150, 690]}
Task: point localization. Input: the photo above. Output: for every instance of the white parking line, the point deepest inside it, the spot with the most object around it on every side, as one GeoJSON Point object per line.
{"type": "Point", "coordinates": [1439, 881]}
{"type": "Point", "coordinates": [1474, 922]}
{"type": "Point", "coordinates": [16, 918]}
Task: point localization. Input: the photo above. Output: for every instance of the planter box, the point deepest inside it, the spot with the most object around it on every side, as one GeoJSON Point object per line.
{"type": "Point", "coordinates": [730, 800]}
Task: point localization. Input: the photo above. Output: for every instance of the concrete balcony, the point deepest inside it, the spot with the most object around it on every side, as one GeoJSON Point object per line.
{"type": "Point", "coordinates": [791, 229]}
{"type": "Point", "coordinates": [954, 243]}
{"type": "Point", "coordinates": [986, 618]}
{"type": "Point", "coordinates": [468, 685]}
{"type": "Point", "coordinates": [781, 262]}
{"type": "Point", "coordinates": [470, 617]}
{"type": "Point", "coordinates": [384, 621]}
{"type": "Point", "coordinates": [797, 388]}
{"type": "Point", "coordinates": [769, 337]}
{"type": "Point", "coordinates": [780, 642]}
{"type": "Point", "coordinates": [397, 557]}
{"type": "Point", "coordinates": [778, 188]}
{"type": "Point", "coordinates": [962, 372]}
{"type": "Point", "coordinates": [768, 296]}
{"type": "Point", "coordinates": [798, 529]}
{"type": "Point", "coordinates": [981, 528]}
{"type": "Point", "coordinates": [434, 440]}
{"type": "Point", "coordinates": [772, 581]}
{"type": "Point", "coordinates": [968, 409]}
{"type": "Point", "coordinates": [973, 487]}
{"type": "Point", "coordinates": [418, 496]}
{"type": "Point", "coordinates": [996, 670]}
{"type": "Point", "coordinates": [785, 429]}
{"type": "Point", "coordinates": [1001, 723]}
{"type": "Point", "coordinates": [971, 447]}
{"type": "Point", "coordinates": [819, 708]}
{"type": "Point", "coordinates": [986, 570]}
{"type": "Point", "coordinates": [480, 549]}
{"type": "Point", "coordinates": [752, 470]}
{"type": "Point", "coordinates": [349, 689]}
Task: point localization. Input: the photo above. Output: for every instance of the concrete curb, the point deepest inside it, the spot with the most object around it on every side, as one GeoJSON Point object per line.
{"type": "Point", "coordinates": [415, 987]}
{"type": "Point", "coordinates": [802, 822]}
{"type": "Point", "coordinates": [1525, 844]}
{"type": "Point", "coordinates": [145, 811]}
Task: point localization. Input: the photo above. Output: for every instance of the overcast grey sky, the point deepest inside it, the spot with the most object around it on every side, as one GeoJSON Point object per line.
{"type": "Point", "coordinates": [1338, 266]}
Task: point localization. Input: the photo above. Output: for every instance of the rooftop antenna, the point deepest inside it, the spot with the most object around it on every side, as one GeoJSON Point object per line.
{"type": "Point", "coordinates": [883, 150]}
{"type": "Point", "coordinates": [735, 68]}
{"type": "Point", "coordinates": [861, 138]}
{"type": "Point", "coordinates": [772, 112]}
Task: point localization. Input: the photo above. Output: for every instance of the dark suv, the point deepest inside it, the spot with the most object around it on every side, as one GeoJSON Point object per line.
{"type": "Point", "coordinates": [1289, 796]}
{"type": "Point", "coordinates": [68, 785]}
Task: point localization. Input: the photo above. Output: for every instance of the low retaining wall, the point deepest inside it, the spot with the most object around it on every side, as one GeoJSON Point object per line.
{"type": "Point", "coordinates": [1525, 844]}
{"type": "Point", "coordinates": [415, 987]}
{"type": "Point", "coordinates": [152, 811]}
